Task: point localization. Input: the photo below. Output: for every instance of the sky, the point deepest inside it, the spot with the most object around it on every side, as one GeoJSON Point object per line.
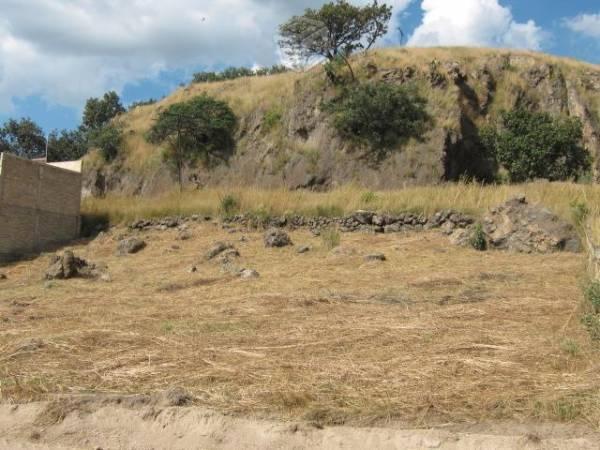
{"type": "Point", "coordinates": [55, 54]}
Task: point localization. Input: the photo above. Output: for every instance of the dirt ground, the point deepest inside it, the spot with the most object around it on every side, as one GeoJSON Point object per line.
{"type": "Point", "coordinates": [436, 336]}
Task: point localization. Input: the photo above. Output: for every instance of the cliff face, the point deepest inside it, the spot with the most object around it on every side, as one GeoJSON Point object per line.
{"type": "Point", "coordinates": [286, 139]}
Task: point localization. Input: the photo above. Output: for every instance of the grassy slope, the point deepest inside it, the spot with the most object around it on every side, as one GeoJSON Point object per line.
{"type": "Point", "coordinates": [248, 96]}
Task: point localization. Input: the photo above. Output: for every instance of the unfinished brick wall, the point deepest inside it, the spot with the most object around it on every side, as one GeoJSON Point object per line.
{"type": "Point", "coordinates": [39, 206]}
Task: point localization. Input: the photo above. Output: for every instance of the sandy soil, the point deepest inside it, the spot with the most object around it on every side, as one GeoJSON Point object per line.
{"type": "Point", "coordinates": [111, 427]}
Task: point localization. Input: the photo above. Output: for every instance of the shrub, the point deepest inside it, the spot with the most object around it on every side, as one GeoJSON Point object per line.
{"type": "Point", "coordinates": [380, 115]}
{"type": "Point", "coordinates": [592, 295]}
{"type": "Point", "coordinates": [231, 73]}
{"type": "Point", "coordinates": [331, 238]}
{"type": "Point", "coordinates": [534, 145]}
{"type": "Point", "coordinates": [271, 119]}
{"type": "Point", "coordinates": [108, 140]}
{"type": "Point", "coordinates": [230, 206]}
{"type": "Point", "coordinates": [478, 240]}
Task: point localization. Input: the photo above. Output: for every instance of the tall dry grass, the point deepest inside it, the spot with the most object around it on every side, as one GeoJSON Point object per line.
{"type": "Point", "coordinates": [469, 198]}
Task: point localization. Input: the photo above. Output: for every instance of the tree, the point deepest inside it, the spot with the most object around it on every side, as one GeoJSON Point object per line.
{"type": "Point", "coordinates": [380, 115]}
{"type": "Point", "coordinates": [100, 111]}
{"type": "Point", "coordinates": [107, 139]}
{"type": "Point", "coordinates": [201, 128]}
{"type": "Point", "coordinates": [534, 145]}
{"type": "Point", "coordinates": [22, 137]}
{"type": "Point", "coordinates": [67, 145]}
{"type": "Point", "coordinates": [335, 31]}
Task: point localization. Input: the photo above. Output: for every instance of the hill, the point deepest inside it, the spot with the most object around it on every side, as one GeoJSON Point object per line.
{"type": "Point", "coordinates": [285, 137]}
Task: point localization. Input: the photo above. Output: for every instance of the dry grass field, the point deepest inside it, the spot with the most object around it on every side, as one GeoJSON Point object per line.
{"type": "Point", "coordinates": [436, 334]}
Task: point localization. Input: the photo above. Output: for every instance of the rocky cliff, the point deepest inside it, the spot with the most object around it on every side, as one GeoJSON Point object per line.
{"type": "Point", "coordinates": [285, 137]}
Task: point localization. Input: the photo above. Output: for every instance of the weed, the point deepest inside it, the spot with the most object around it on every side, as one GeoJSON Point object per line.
{"type": "Point", "coordinates": [566, 410]}
{"type": "Point", "coordinates": [167, 327]}
{"type": "Point", "coordinates": [331, 238]}
{"type": "Point", "coordinates": [592, 323]}
{"type": "Point", "coordinates": [592, 295]}
{"type": "Point", "coordinates": [368, 198]}
{"type": "Point", "coordinates": [259, 217]}
{"type": "Point", "coordinates": [570, 347]}
{"type": "Point", "coordinates": [230, 206]}
{"type": "Point", "coordinates": [478, 240]}
{"type": "Point", "coordinates": [271, 119]}
{"type": "Point", "coordinates": [580, 212]}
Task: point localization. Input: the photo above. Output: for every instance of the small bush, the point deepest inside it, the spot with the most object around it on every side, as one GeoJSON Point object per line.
{"type": "Point", "coordinates": [331, 238]}
{"type": "Point", "coordinates": [108, 140]}
{"type": "Point", "coordinates": [478, 239]}
{"type": "Point", "coordinates": [592, 295]}
{"type": "Point", "coordinates": [380, 115]}
{"type": "Point", "coordinates": [271, 119]}
{"type": "Point", "coordinates": [570, 347]}
{"type": "Point", "coordinates": [230, 206]}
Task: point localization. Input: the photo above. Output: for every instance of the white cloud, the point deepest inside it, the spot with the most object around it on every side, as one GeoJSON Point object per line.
{"type": "Point", "coordinates": [481, 23]}
{"type": "Point", "coordinates": [586, 24]}
{"type": "Point", "coordinates": [69, 50]}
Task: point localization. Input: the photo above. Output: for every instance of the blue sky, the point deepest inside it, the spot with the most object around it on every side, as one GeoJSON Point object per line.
{"type": "Point", "coordinates": [54, 54]}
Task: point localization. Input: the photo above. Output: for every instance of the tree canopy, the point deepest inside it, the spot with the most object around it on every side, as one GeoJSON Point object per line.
{"type": "Point", "coordinates": [201, 128]}
{"type": "Point", "coordinates": [335, 31]}
{"type": "Point", "coordinates": [380, 115]}
{"type": "Point", "coordinates": [23, 138]}
{"type": "Point", "coordinates": [98, 112]}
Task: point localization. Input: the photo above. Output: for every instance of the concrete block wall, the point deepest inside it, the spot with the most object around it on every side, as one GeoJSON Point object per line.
{"type": "Point", "coordinates": [39, 206]}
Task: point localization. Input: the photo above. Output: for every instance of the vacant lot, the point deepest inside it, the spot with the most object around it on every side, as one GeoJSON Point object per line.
{"type": "Point", "coordinates": [435, 334]}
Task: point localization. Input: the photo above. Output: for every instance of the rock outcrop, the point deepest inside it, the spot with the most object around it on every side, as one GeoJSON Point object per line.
{"type": "Point", "coordinates": [521, 227]}
{"type": "Point", "coordinates": [303, 150]}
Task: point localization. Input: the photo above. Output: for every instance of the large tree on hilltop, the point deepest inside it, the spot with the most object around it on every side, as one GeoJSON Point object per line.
{"type": "Point", "coordinates": [335, 31]}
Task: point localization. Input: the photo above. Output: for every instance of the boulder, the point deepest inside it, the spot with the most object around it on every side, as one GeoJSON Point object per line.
{"type": "Point", "coordinates": [277, 238]}
{"type": "Point", "coordinates": [247, 274]}
{"type": "Point", "coordinates": [68, 266]}
{"type": "Point", "coordinates": [130, 246]}
{"type": "Point", "coordinates": [217, 249]}
{"type": "Point", "coordinates": [375, 257]}
{"type": "Point", "coordinates": [363, 217]}
{"type": "Point", "coordinates": [521, 227]}
{"type": "Point", "coordinates": [303, 249]}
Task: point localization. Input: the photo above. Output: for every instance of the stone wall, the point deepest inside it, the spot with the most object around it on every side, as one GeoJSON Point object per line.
{"type": "Point", "coordinates": [39, 206]}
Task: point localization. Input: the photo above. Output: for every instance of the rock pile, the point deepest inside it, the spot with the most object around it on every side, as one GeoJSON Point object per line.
{"type": "Point", "coordinates": [521, 227]}
{"type": "Point", "coordinates": [166, 223]}
{"type": "Point", "coordinates": [69, 266]}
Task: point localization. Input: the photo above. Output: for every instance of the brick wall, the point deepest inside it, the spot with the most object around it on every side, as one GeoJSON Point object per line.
{"type": "Point", "coordinates": [39, 206]}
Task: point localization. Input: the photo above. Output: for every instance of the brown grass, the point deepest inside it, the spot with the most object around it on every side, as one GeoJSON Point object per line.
{"type": "Point", "coordinates": [471, 198]}
{"type": "Point", "coordinates": [436, 334]}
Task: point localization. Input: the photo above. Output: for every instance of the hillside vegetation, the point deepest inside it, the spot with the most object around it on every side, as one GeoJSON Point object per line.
{"type": "Point", "coordinates": [286, 136]}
